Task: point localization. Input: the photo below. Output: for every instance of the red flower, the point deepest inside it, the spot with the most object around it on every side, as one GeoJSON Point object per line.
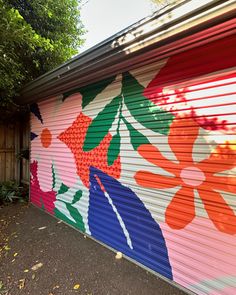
{"type": "Point", "coordinates": [191, 175]}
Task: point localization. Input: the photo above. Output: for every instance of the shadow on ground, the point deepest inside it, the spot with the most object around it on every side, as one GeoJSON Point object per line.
{"type": "Point", "coordinates": [64, 258]}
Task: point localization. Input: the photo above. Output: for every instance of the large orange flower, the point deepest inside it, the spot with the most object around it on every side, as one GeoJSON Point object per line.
{"type": "Point", "coordinates": [191, 175]}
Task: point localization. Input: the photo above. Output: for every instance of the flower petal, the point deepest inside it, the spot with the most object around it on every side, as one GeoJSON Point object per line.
{"type": "Point", "coordinates": [182, 136]}
{"type": "Point", "coordinates": [64, 162]}
{"type": "Point", "coordinates": [221, 159]}
{"type": "Point", "coordinates": [181, 211]}
{"type": "Point", "coordinates": [152, 180]}
{"type": "Point", "coordinates": [47, 110]}
{"type": "Point", "coordinates": [153, 155]}
{"type": "Point", "coordinates": [36, 125]}
{"type": "Point", "coordinates": [45, 173]}
{"type": "Point", "coordinates": [69, 109]}
{"type": "Point", "coordinates": [36, 148]}
{"type": "Point", "coordinates": [219, 211]}
{"type": "Point", "coordinates": [221, 183]}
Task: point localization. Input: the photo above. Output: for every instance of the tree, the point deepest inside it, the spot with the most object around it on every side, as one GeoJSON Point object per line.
{"type": "Point", "coordinates": [35, 37]}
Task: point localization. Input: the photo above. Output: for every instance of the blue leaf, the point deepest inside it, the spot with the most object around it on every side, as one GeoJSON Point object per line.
{"type": "Point", "coordinates": [33, 135]}
{"type": "Point", "coordinates": [34, 108]}
{"type": "Point", "coordinates": [118, 218]}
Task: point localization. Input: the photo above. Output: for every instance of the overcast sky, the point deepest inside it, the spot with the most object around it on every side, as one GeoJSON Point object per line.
{"type": "Point", "coordinates": [104, 18]}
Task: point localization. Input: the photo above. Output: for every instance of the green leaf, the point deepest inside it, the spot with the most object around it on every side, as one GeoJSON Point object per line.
{"type": "Point", "coordinates": [142, 109]}
{"type": "Point", "coordinates": [91, 91]}
{"type": "Point", "coordinates": [77, 217]}
{"type": "Point", "coordinates": [53, 177]}
{"type": "Point", "coordinates": [75, 214]}
{"type": "Point", "coordinates": [77, 196]}
{"type": "Point", "coordinates": [63, 189]}
{"type": "Point", "coordinates": [100, 125]}
{"type": "Point", "coordinates": [114, 149]}
{"type": "Point", "coordinates": [136, 137]}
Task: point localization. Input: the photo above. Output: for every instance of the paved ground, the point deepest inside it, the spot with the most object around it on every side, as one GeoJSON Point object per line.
{"type": "Point", "coordinates": [64, 258]}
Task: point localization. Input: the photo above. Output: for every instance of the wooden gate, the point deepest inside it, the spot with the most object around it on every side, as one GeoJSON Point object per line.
{"type": "Point", "coordinates": [13, 138]}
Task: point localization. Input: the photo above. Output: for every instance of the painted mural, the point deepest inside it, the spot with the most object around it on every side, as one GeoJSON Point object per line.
{"type": "Point", "coordinates": [145, 162]}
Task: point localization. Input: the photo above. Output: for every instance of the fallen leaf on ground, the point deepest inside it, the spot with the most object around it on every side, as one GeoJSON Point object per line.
{"type": "Point", "coordinates": [43, 227]}
{"type": "Point", "coordinates": [119, 255]}
{"type": "Point", "coordinates": [21, 284]}
{"type": "Point", "coordinates": [13, 260]}
{"type": "Point", "coordinates": [15, 254]}
{"type": "Point", "coordinates": [1, 285]}
{"type": "Point", "coordinates": [37, 266]}
{"type": "Point", "coordinates": [60, 221]}
{"type": "Point", "coordinates": [33, 276]}
{"type": "Point", "coordinates": [76, 287]}
{"type": "Point", "coordinates": [7, 248]}
{"type": "Point", "coordinates": [56, 287]}
{"type": "Point", "coordinates": [26, 270]}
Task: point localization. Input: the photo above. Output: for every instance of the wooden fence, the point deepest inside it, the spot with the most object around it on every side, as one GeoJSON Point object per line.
{"type": "Point", "coordinates": [13, 138]}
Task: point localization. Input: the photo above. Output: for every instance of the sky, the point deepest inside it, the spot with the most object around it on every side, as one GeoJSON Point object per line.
{"type": "Point", "coordinates": [104, 18]}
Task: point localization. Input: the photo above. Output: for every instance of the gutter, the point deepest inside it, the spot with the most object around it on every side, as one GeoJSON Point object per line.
{"type": "Point", "coordinates": [150, 37]}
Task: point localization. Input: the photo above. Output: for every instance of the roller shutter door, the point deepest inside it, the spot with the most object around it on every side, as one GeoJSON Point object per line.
{"type": "Point", "coordinates": [145, 163]}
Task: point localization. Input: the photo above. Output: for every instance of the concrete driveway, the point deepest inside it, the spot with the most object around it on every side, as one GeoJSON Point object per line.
{"type": "Point", "coordinates": [63, 260]}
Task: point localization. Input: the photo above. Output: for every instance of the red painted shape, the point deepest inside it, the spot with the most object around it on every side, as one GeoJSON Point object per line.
{"type": "Point", "coordinates": [74, 138]}
{"type": "Point", "coordinates": [173, 85]}
{"type": "Point", "coordinates": [215, 56]}
{"type": "Point", "coordinates": [37, 196]}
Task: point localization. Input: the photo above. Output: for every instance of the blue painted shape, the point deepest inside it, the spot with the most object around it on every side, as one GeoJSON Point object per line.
{"type": "Point", "coordinates": [148, 244]}
{"type": "Point", "coordinates": [34, 108]}
{"type": "Point", "coordinates": [33, 135]}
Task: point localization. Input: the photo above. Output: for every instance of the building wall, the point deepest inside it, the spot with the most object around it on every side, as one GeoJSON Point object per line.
{"type": "Point", "coordinates": [145, 163]}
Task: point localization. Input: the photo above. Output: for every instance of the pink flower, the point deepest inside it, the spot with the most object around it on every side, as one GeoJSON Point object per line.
{"type": "Point", "coordinates": [47, 149]}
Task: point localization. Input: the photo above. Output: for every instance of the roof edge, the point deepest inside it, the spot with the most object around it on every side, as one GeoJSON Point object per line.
{"type": "Point", "coordinates": [162, 27]}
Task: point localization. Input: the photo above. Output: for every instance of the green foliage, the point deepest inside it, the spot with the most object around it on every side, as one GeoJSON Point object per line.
{"type": "Point", "coordinates": [78, 219]}
{"type": "Point", "coordinates": [136, 137]}
{"type": "Point", "coordinates": [89, 92]}
{"type": "Point", "coordinates": [10, 192]}
{"type": "Point", "coordinates": [35, 36]}
{"type": "Point", "coordinates": [114, 149]}
{"type": "Point", "coordinates": [100, 126]}
{"type": "Point", "coordinates": [144, 110]}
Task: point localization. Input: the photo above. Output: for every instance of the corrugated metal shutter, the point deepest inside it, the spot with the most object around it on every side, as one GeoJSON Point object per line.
{"type": "Point", "coordinates": [145, 163]}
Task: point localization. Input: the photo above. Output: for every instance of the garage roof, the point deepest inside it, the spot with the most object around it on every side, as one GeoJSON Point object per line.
{"type": "Point", "coordinates": [152, 36]}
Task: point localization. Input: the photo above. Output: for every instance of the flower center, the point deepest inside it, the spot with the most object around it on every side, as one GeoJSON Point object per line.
{"type": "Point", "coordinates": [192, 176]}
{"type": "Point", "coordinates": [46, 137]}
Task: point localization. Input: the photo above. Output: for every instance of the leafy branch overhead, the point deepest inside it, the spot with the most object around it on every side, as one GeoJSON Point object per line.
{"type": "Point", "coordinates": [35, 37]}
{"type": "Point", "coordinates": [141, 109]}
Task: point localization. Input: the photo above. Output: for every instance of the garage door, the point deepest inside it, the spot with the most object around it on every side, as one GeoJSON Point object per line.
{"type": "Point", "coordinates": [145, 163]}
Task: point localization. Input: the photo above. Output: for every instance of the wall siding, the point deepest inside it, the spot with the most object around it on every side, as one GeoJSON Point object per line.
{"type": "Point", "coordinates": [145, 162]}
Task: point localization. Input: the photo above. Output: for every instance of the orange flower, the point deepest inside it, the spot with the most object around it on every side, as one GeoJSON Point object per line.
{"type": "Point", "coordinates": [191, 175]}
